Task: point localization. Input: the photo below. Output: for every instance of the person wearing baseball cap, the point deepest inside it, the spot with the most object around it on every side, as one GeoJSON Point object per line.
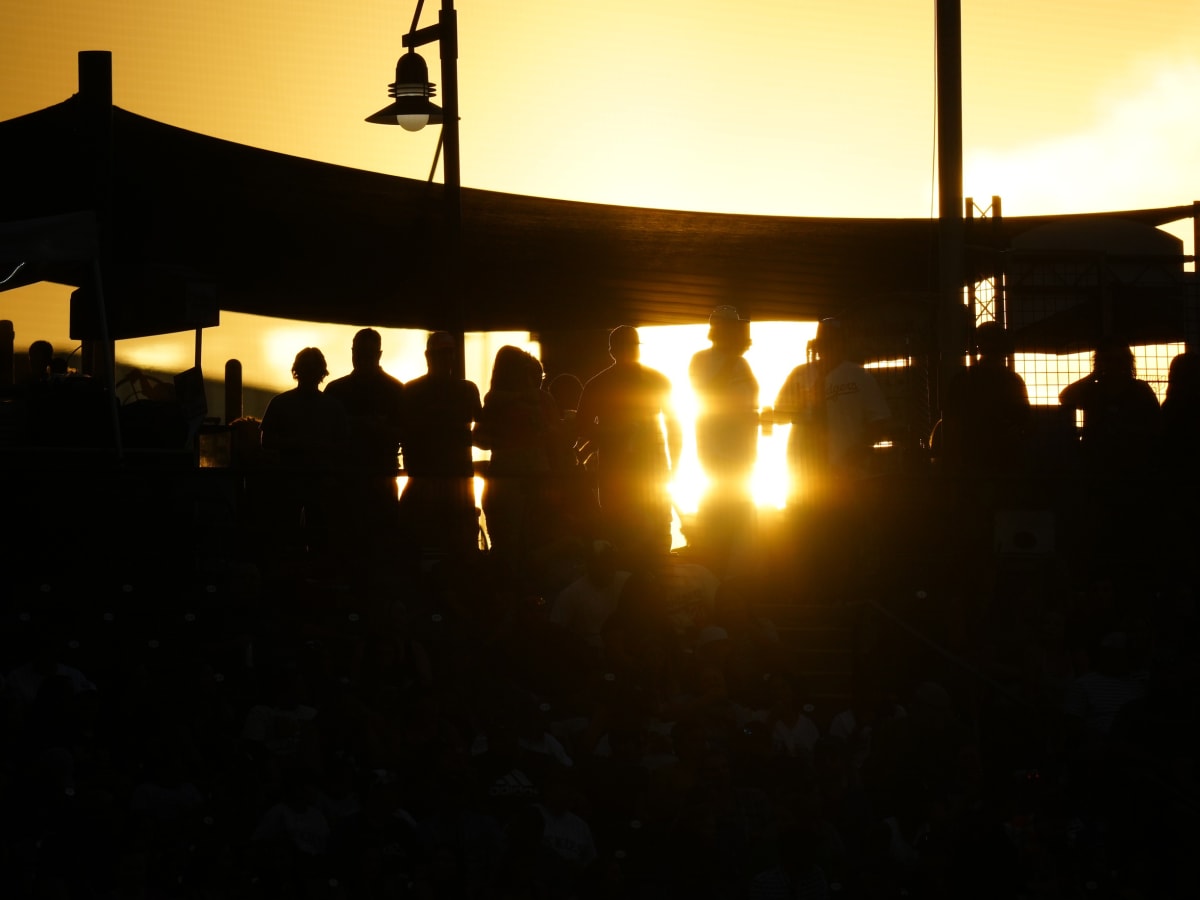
{"type": "Point", "coordinates": [726, 430]}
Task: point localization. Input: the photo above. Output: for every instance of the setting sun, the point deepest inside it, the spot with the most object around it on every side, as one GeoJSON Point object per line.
{"type": "Point", "coordinates": [1063, 111]}
{"type": "Point", "coordinates": [777, 348]}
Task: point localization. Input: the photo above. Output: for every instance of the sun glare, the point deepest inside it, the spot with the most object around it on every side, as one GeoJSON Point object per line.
{"type": "Point", "coordinates": [267, 348]}
{"type": "Point", "coordinates": [777, 348]}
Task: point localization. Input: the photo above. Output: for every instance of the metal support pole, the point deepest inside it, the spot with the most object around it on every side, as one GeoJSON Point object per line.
{"type": "Point", "coordinates": [445, 32]}
{"type": "Point", "coordinates": [448, 46]}
{"type": "Point", "coordinates": [951, 336]}
{"type": "Point", "coordinates": [95, 93]}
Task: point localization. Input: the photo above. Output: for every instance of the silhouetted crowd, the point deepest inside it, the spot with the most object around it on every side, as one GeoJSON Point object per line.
{"type": "Point", "coordinates": [369, 694]}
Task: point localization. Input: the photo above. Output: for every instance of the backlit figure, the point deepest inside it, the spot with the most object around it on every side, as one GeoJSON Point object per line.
{"type": "Point", "coordinates": [626, 423]}
{"type": "Point", "coordinates": [437, 508]}
{"type": "Point", "coordinates": [726, 433]}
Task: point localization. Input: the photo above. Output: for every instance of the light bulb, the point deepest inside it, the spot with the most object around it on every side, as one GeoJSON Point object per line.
{"type": "Point", "coordinates": [412, 121]}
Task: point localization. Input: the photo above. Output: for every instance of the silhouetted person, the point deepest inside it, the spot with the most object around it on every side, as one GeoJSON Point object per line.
{"type": "Point", "coordinates": [852, 411]}
{"type": "Point", "coordinates": [1179, 440]}
{"type": "Point", "coordinates": [1117, 443]}
{"type": "Point", "coordinates": [519, 425]}
{"type": "Point", "coordinates": [1181, 413]}
{"type": "Point", "coordinates": [797, 404]}
{"type": "Point", "coordinates": [726, 433]}
{"type": "Point", "coordinates": [727, 391]}
{"type": "Point", "coordinates": [41, 355]}
{"type": "Point", "coordinates": [437, 507]}
{"type": "Point", "coordinates": [585, 604]}
{"type": "Point", "coordinates": [627, 424]}
{"type": "Point", "coordinates": [985, 423]}
{"type": "Point", "coordinates": [374, 402]}
{"type": "Point", "coordinates": [1120, 412]}
{"type": "Point", "coordinates": [304, 432]}
{"type": "Point", "coordinates": [986, 416]}
{"type": "Point", "coordinates": [838, 413]}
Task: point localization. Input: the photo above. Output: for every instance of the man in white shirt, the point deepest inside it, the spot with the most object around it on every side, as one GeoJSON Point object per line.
{"type": "Point", "coordinates": [838, 413]}
{"type": "Point", "coordinates": [837, 409]}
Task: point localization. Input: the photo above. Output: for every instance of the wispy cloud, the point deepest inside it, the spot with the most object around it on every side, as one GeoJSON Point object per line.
{"type": "Point", "coordinates": [1142, 151]}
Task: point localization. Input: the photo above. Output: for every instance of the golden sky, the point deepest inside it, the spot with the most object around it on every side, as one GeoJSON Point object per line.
{"type": "Point", "coordinates": [794, 107]}
{"type": "Point", "coordinates": [783, 107]}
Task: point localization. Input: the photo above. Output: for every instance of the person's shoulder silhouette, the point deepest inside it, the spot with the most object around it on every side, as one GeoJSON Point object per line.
{"type": "Point", "coordinates": [373, 400]}
{"type": "Point", "coordinates": [987, 413]}
{"type": "Point", "coordinates": [1120, 411]}
{"type": "Point", "coordinates": [303, 426]}
{"type": "Point", "coordinates": [440, 412]}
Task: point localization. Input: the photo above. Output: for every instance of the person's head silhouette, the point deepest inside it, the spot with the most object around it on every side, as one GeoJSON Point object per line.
{"type": "Point", "coordinates": [624, 345]}
{"type": "Point", "coordinates": [992, 343]}
{"type": "Point", "coordinates": [1112, 360]}
{"type": "Point", "coordinates": [831, 342]}
{"type": "Point", "coordinates": [309, 368]}
{"type": "Point", "coordinates": [728, 331]}
{"type": "Point", "coordinates": [440, 348]}
{"type": "Point", "coordinates": [366, 350]}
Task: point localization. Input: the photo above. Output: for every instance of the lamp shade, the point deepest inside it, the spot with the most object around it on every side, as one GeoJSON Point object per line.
{"type": "Point", "coordinates": [412, 108]}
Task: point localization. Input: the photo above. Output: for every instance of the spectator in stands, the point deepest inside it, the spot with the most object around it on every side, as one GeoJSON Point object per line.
{"type": "Point", "coordinates": [915, 756]}
{"type": "Point", "coordinates": [851, 413]}
{"type": "Point", "coordinates": [585, 604]}
{"type": "Point", "coordinates": [45, 662]}
{"type": "Point", "coordinates": [986, 414]}
{"type": "Point", "coordinates": [519, 425]}
{"type": "Point", "coordinates": [985, 424]}
{"type": "Point", "coordinates": [727, 391]}
{"type": "Point", "coordinates": [304, 433]}
{"type": "Point", "coordinates": [566, 832]}
{"type": "Point", "coordinates": [1180, 441]}
{"type": "Point", "coordinates": [290, 843]}
{"type": "Point", "coordinates": [797, 873]}
{"type": "Point", "coordinates": [1181, 416]}
{"type": "Point", "coordinates": [870, 707]}
{"type": "Point", "coordinates": [1094, 698]}
{"type": "Point", "coordinates": [726, 435]}
{"type": "Point", "coordinates": [1118, 443]}
{"type": "Point", "coordinates": [1120, 412]}
{"type": "Point", "coordinates": [793, 732]}
{"type": "Point", "coordinates": [374, 403]}
{"type": "Point", "coordinates": [841, 406]}
{"type": "Point", "coordinates": [628, 427]}
{"type": "Point", "coordinates": [437, 507]}
{"type": "Point", "coordinates": [797, 404]}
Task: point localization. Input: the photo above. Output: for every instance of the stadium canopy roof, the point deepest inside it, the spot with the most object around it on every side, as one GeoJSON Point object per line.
{"type": "Point", "coordinates": [189, 224]}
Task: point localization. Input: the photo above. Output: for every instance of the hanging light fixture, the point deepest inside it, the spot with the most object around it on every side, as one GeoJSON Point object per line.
{"type": "Point", "coordinates": [411, 108]}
